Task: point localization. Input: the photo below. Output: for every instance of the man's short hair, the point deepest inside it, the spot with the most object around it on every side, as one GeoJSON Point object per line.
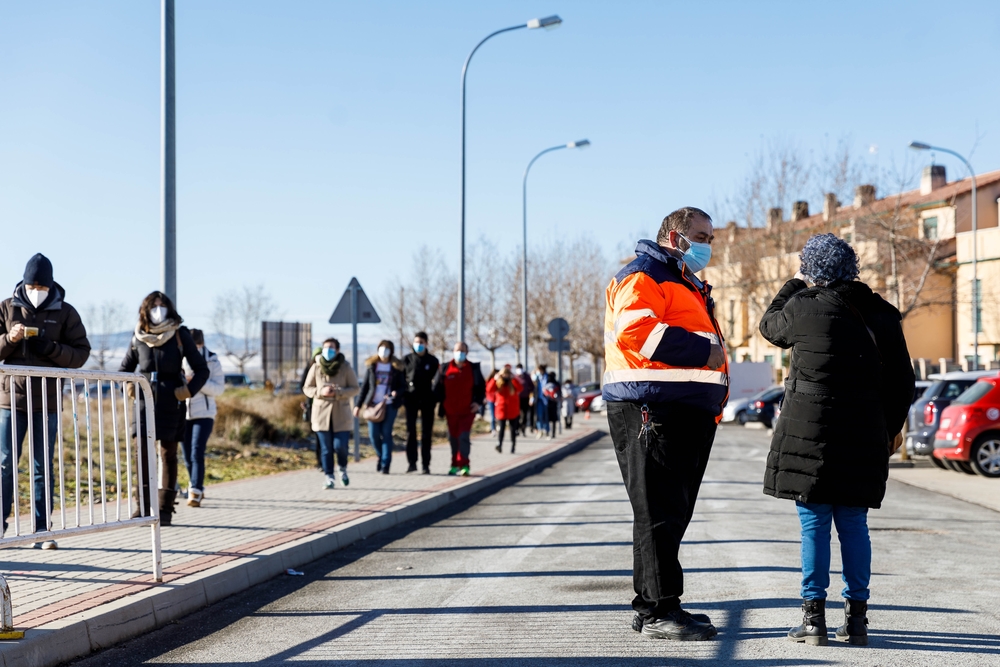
{"type": "Point", "coordinates": [198, 336]}
{"type": "Point", "coordinates": [422, 335]}
{"type": "Point", "coordinates": [332, 341]}
{"type": "Point", "coordinates": [679, 221]}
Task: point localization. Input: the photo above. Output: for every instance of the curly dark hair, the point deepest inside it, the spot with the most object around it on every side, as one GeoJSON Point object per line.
{"type": "Point", "coordinates": [147, 305]}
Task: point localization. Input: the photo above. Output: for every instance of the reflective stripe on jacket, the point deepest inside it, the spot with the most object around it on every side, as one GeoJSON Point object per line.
{"type": "Point", "coordinates": [659, 327]}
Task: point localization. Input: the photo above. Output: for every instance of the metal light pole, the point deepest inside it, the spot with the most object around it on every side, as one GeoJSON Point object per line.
{"type": "Point", "coordinates": [920, 146]}
{"type": "Point", "coordinates": [168, 224]}
{"type": "Point", "coordinates": [583, 143]}
{"type": "Point", "coordinates": [549, 22]}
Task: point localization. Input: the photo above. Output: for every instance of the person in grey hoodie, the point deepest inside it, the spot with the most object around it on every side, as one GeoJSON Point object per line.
{"type": "Point", "coordinates": [201, 413]}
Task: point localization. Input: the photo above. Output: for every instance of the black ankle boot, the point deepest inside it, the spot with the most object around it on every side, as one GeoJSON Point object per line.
{"type": "Point", "coordinates": [167, 499]}
{"type": "Point", "coordinates": [855, 627]}
{"type": "Point", "coordinates": [813, 629]}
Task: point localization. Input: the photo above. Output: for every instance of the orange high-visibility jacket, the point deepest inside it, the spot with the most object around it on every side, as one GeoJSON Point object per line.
{"type": "Point", "coordinates": [658, 330]}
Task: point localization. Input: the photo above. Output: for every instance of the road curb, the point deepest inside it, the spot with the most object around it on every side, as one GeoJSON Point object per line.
{"type": "Point", "coordinates": [80, 634]}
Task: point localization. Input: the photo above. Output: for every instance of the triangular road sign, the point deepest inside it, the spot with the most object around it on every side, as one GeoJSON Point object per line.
{"type": "Point", "coordinates": [366, 311]}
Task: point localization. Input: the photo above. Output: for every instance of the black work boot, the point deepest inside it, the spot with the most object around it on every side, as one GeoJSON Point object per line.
{"type": "Point", "coordinates": [637, 620]}
{"type": "Point", "coordinates": [855, 627]}
{"type": "Point", "coordinates": [679, 626]}
{"type": "Point", "coordinates": [813, 629]}
{"type": "Point", "coordinates": [167, 501]}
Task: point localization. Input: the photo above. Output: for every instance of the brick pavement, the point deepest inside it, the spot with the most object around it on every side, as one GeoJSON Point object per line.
{"type": "Point", "coordinates": [239, 523]}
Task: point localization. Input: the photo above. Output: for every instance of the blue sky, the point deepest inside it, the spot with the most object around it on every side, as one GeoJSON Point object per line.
{"type": "Point", "coordinates": [319, 140]}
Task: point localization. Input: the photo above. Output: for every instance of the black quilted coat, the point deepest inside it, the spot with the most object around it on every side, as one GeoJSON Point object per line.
{"type": "Point", "coordinates": [845, 397]}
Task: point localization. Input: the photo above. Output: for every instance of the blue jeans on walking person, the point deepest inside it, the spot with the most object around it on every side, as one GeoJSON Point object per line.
{"type": "Point", "coordinates": [855, 549]}
{"type": "Point", "coordinates": [541, 415]}
{"type": "Point", "coordinates": [331, 442]}
{"type": "Point", "coordinates": [8, 456]}
{"type": "Point", "coordinates": [381, 436]}
{"type": "Point", "coordinates": [196, 435]}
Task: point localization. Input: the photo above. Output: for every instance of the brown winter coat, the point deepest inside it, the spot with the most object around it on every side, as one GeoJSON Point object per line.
{"type": "Point", "coordinates": [57, 321]}
{"type": "Point", "coordinates": [332, 414]}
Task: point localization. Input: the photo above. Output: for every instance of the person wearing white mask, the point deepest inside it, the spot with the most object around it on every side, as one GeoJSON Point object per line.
{"type": "Point", "coordinates": [332, 385]}
{"type": "Point", "coordinates": [37, 328]}
{"type": "Point", "coordinates": [460, 390]}
{"type": "Point", "coordinates": [158, 349]}
{"type": "Point", "coordinates": [380, 397]}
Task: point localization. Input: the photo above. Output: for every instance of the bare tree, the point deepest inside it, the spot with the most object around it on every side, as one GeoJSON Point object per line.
{"type": "Point", "coordinates": [104, 322]}
{"type": "Point", "coordinates": [485, 300]}
{"type": "Point", "coordinates": [237, 321]}
{"type": "Point", "coordinates": [394, 309]}
{"type": "Point", "coordinates": [431, 298]}
{"type": "Point", "coordinates": [585, 281]}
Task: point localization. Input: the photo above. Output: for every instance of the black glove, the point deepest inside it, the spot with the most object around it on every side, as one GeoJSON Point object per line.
{"type": "Point", "coordinates": [41, 347]}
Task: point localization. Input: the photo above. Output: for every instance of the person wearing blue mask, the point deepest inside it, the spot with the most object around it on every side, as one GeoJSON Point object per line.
{"type": "Point", "coordinates": [420, 367]}
{"type": "Point", "coordinates": [332, 385]}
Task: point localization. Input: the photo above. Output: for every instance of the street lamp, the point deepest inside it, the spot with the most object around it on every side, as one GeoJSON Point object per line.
{"type": "Point", "coordinates": [549, 23]}
{"type": "Point", "coordinates": [583, 143]}
{"type": "Point", "coordinates": [920, 146]}
{"type": "Point", "coordinates": [168, 149]}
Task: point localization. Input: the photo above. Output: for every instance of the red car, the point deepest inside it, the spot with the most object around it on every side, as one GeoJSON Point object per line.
{"type": "Point", "coordinates": [968, 438]}
{"type": "Point", "coordinates": [586, 396]}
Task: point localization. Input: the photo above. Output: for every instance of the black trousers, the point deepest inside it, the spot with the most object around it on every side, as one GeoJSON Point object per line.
{"type": "Point", "coordinates": [662, 470]}
{"type": "Point", "coordinates": [527, 414]}
{"type": "Point", "coordinates": [425, 408]}
{"type": "Point", "coordinates": [514, 425]}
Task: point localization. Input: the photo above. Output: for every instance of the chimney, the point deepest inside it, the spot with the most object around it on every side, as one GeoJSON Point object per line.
{"type": "Point", "coordinates": [830, 205]}
{"type": "Point", "coordinates": [800, 209]}
{"type": "Point", "coordinates": [932, 178]}
{"type": "Point", "coordinates": [731, 231]}
{"type": "Point", "coordinates": [774, 216]}
{"type": "Point", "coordinates": [864, 195]}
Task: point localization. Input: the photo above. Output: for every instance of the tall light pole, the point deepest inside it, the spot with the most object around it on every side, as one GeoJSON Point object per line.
{"type": "Point", "coordinates": [583, 143]}
{"type": "Point", "coordinates": [549, 23]}
{"type": "Point", "coordinates": [168, 223]}
{"type": "Point", "coordinates": [921, 146]}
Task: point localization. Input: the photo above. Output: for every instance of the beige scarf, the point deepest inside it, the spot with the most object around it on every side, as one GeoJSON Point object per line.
{"type": "Point", "coordinates": [157, 334]}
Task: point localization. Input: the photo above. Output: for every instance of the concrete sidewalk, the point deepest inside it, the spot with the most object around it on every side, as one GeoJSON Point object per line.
{"type": "Point", "coordinates": [923, 474]}
{"type": "Point", "coordinates": [97, 590]}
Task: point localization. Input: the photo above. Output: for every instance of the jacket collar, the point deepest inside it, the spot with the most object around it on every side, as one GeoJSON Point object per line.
{"type": "Point", "coordinates": [53, 301]}
{"type": "Point", "coordinates": [653, 250]}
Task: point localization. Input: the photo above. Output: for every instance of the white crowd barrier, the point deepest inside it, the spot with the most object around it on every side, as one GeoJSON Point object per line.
{"type": "Point", "coordinates": [96, 466]}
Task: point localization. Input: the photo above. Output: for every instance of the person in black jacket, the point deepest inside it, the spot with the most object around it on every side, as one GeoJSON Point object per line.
{"type": "Point", "coordinates": [383, 384]}
{"type": "Point", "coordinates": [420, 366]}
{"type": "Point", "coordinates": [846, 399]}
{"type": "Point", "coordinates": [158, 347]}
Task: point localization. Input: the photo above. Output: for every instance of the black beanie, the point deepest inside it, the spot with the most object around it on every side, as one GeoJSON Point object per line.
{"type": "Point", "coordinates": [38, 270]}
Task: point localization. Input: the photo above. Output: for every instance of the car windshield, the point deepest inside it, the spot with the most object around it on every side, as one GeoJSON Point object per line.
{"type": "Point", "coordinates": [974, 393]}
{"type": "Point", "coordinates": [947, 389]}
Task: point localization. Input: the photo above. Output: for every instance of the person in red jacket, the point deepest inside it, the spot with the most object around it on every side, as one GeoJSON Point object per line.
{"type": "Point", "coordinates": [506, 392]}
{"type": "Point", "coordinates": [460, 390]}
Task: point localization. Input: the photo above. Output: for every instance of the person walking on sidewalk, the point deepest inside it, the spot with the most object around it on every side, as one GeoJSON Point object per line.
{"type": "Point", "coordinates": [332, 385]}
{"type": "Point", "coordinates": [201, 412]}
{"type": "Point", "coordinates": [491, 406]}
{"type": "Point", "coordinates": [459, 389]}
{"type": "Point", "coordinates": [506, 390]}
{"type": "Point", "coordinates": [568, 404]}
{"type": "Point", "coordinates": [379, 400]}
{"type": "Point", "coordinates": [37, 328]}
{"type": "Point", "coordinates": [159, 346]}
{"type": "Point", "coordinates": [420, 367]}
{"type": "Point", "coordinates": [527, 392]}
{"type": "Point", "coordinates": [665, 384]}
{"type": "Point", "coordinates": [552, 395]}
{"type": "Point", "coordinates": [541, 410]}
{"type": "Point", "coordinates": [846, 399]}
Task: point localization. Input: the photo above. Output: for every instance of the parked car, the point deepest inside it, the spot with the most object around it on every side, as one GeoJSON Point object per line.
{"type": "Point", "coordinates": [587, 394]}
{"type": "Point", "coordinates": [761, 407]}
{"type": "Point", "coordinates": [969, 437]}
{"type": "Point", "coordinates": [237, 380]}
{"type": "Point", "coordinates": [736, 409]}
{"type": "Point", "coordinates": [925, 413]}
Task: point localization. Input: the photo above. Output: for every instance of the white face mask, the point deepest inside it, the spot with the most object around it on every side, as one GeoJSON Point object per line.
{"type": "Point", "coordinates": [36, 296]}
{"type": "Point", "coordinates": [383, 353]}
{"type": "Point", "coordinates": [157, 314]}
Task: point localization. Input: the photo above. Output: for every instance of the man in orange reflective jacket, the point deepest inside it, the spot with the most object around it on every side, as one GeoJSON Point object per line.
{"type": "Point", "coordinates": [665, 384]}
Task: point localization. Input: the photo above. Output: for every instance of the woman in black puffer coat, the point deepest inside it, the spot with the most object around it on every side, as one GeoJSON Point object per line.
{"type": "Point", "coordinates": [158, 347]}
{"type": "Point", "coordinates": [846, 398]}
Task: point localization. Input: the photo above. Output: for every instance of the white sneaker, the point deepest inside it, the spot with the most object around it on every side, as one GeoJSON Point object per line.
{"type": "Point", "coordinates": [344, 479]}
{"type": "Point", "coordinates": [47, 545]}
{"type": "Point", "coordinates": [330, 483]}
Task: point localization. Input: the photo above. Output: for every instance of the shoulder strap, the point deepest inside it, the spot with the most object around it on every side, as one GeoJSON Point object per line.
{"type": "Point", "coordinates": [180, 345]}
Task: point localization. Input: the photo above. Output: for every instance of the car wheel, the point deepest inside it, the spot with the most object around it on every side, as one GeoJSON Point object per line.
{"type": "Point", "coordinates": [741, 417]}
{"type": "Point", "coordinates": [964, 466]}
{"type": "Point", "coordinates": [951, 465]}
{"type": "Point", "coordinates": [938, 462]}
{"type": "Point", "coordinates": [985, 457]}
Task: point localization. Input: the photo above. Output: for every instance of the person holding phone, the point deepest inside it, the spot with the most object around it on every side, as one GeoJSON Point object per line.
{"type": "Point", "coordinates": [332, 385]}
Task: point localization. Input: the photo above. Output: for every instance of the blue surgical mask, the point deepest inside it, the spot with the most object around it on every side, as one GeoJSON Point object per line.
{"type": "Point", "coordinates": [329, 353]}
{"type": "Point", "coordinates": [697, 256]}
{"type": "Point", "coordinates": [419, 348]}
{"type": "Point", "coordinates": [460, 357]}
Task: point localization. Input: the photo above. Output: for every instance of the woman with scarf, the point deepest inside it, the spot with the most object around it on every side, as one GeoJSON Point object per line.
{"type": "Point", "coordinates": [382, 390]}
{"type": "Point", "coordinates": [506, 390]}
{"type": "Point", "coordinates": [331, 383]}
{"type": "Point", "coordinates": [159, 346]}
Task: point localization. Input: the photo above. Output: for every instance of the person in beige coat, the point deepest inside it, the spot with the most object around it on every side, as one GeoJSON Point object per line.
{"type": "Point", "coordinates": [332, 385]}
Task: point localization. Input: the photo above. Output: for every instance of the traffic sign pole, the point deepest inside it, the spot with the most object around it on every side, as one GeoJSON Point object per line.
{"type": "Point", "coordinates": [354, 362]}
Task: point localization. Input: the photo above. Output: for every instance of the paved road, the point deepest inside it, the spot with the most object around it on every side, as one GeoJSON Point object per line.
{"type": "Point", "coordinates": [539, 574]}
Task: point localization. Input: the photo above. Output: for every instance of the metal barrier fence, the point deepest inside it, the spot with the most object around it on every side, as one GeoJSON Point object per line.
{"type": "Point", "coordinates": [86, 505]}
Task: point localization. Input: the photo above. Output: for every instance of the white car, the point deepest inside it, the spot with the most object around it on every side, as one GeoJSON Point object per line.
{"type": "Point", "coordinates": [736, 411]}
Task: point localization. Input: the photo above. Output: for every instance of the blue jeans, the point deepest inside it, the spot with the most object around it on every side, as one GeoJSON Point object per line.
{"type": "Point", "coordinates": [8, 456]}
{"type": "Point", "coordinates": [195, 439]}
{"type": "Point", "coordinates": [381, 436]}
{"type": "Point", "coordinates": [541, 415]}
{"type": "Point", "coordinates": [330, 442]}
{"type": "Point", "coordinates": [493, 415]}
{"type": "Point", "coordinates": [855, 549]}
